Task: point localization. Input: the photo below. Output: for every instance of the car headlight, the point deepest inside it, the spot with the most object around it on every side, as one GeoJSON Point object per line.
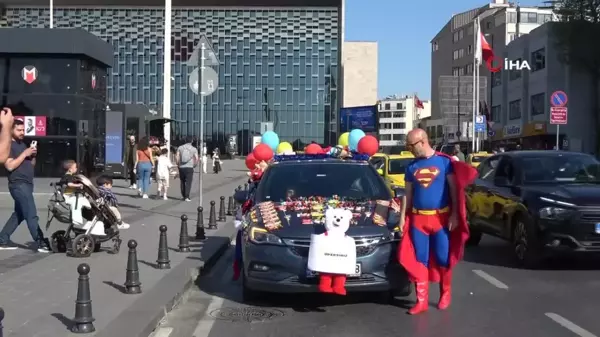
{"type": "Point", "coordinates": [259, 235]}
{"type": "Point", "coordinates": [552, 213]}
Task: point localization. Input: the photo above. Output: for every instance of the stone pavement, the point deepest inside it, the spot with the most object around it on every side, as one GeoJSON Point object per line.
{"type": "Point", "coordinates": [38, 291]}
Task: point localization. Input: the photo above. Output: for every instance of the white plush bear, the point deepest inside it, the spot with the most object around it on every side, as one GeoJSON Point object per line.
{"type": "Point", "coordinates": [333, 253]}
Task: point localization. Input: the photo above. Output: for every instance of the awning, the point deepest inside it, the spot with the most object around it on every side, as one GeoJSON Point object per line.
{"type": "Point", "coordinates": [158, 118]}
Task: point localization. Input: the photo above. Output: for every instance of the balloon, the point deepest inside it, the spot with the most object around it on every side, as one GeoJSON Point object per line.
{"type": "Point", "coordinates": [368, 145]}
{"type": "Point", "coordinates": [251, 162]}
{"type": "Point", "coordinates": [343, 140]}
{"type": "Point", "coordinates": [270, 138]}
{"type": "Point", "coordinates": [313, 149]}
{"type": "Point", "coordinates": [284, 147]}
{"type": "Point", "coordinates": [262, 152]}
{"type": "Point", "coordinates": [355, 136]}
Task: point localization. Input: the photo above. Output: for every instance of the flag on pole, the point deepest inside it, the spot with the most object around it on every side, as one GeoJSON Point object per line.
{"type": "Point", "coordinates": [483, 50]}
{"type": "Point", "coordinates": [418, 103]}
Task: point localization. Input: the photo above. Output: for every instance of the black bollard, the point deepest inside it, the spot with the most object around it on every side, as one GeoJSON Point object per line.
{"type": "Point", "coordinates": [239, 188]}
{"type": "Point", "coordinates": [132, 276]}
{"type": "Point", "coordinates": [184, 238]}
{"type": "Point", "coordinates": [84, 320]}
{"type": "Point", "coordinates": [212, 216]}
{"type": "Point", "coordinates": [163, 261]}
{"type": "Point", "coordinates": [246, 187]}
{"type": "Point", "coordinates": [200, 235]}
{"type": "Point", "coordinates": [222, 216]}
{"type": "Point", "coordinates": [1, 319]}
{"type": "Point", "coordinates": [230, 208]}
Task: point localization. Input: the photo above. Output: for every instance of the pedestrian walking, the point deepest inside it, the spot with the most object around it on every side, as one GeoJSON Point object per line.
{"type": "Point", "coordinates": [163, 173]}
{"type": "Point", "coordinates": [186, 158]}
{"type": "Point", "coordinates": [144, 162]}
{"type": "Point", "coordinates": [6, 124]}
{"type": "Point", "coordinates": [204, 159]}
{"type": "Point", "coordinates": [460, 156]}
{"type": "Point", "coordinates": [20, 166]}
{"type": "Point", "coordinates": [216, 161]}
{"type": "Point", "coordinates": [129, 161]}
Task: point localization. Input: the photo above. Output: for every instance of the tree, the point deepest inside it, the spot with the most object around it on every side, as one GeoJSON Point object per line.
{"type": "Point", "coordinates": [576, 43]}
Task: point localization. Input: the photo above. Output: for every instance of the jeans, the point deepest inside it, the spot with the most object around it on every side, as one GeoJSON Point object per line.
{"type": "Point", "coordinates": [186, 176]}
{"type": "Point", "coordinates": [144, 169]}
{"type": "Point", "coordinates": [22, 195]}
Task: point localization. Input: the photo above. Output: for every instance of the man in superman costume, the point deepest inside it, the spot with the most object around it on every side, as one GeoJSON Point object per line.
{"type": "Point", "coordinates": [435, 229]}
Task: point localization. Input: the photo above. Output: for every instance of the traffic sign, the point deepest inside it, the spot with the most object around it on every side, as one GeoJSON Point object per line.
{"type": "Point", "coordinates": [491, 133]}
{"type": "Point", "coordinates": [210, 56]}
{"type": "Point", "coordinates": [559, 99]}
{"type": "Point", "coordinates": [480, 124]}
{"type": "Point", "coordinates": [558, 115]}
{"type": "Point", "coordinates": [210, 81]}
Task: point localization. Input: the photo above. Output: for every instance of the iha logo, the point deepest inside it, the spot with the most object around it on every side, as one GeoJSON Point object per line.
{"type": "Point", "coordinates": [496, 64]}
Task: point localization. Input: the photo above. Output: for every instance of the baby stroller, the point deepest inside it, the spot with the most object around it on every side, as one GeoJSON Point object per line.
{"type": "Point", "coordinates": [90, 220]}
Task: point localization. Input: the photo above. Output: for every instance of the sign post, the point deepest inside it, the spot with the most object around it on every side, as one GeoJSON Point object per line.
{"type": "Point", "coordinates": [558, 112]}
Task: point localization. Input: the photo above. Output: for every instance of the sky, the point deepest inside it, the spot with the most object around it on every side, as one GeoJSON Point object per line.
{"type": "Point", "coordinates": [403, 30]}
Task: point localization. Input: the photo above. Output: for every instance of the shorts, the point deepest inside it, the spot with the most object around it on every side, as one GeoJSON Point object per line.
{"type": "Point", "coordinates": [162, 183]}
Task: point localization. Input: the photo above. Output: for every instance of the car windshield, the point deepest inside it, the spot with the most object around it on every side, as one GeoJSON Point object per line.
{"type": "Point", "coordinates": [346, 180]}
{"type": "Point", "coordinates": [561, 169]}
{"type": "Point", "coordinates": [478, 159]}
{"type": "Point", "coordinates": [377, 162]}
{"type": "Point", "coordinates": [398, 166]}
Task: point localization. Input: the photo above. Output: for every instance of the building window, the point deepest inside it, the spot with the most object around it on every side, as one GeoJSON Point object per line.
{"type": "Point", "coordinates": [529, 17]}
{"type": "Point", "coordinates": [538, 104]}
{"type": "Point", "coordinates": [496, 79]}
{"type": "Point", "coordinates": [515, 74]}
{"type": "Point", "coordinates": [455, 55]}
{"type": "Point", "coordinates": [511, 37]}
{"type": "Point", "coordinates": [470, 49]}
{"type": "Point", "coordinates": [399, 126]}
{"type": "Point", "coordinates": [434, 46]}
{"type": "Point", "coordinates": [469, 69]}
{"type": "Point", "coordinates": [461, 53]}
{"type": "Point", "coordinates": [385, 137]}
{"type": "Point", "coordinates": [496, 113]}
{"type": "Point", "coordinates": [385, 115]}
{"type": "Point", "coordinates": [455, 37]}
{"type": "Point", "coordinates": [440, 131]}
{"type": "Point", "coordinates": [543, 18]}
{"type": "Point", "coordinates": [398, 136]}
{"type": "Point", "coordinates": [385, 125]}
{"type": "Point", "coordinates": [511, 17]}
{"type": "Point", "coordinates": [387, 106]}
{"type": "Point", "coordinates": [538, 59]}
{"type": "Point", "coordinates": [399, 114]}
{"type": "Point", "coordinates": [461, 34]}
{"type": "Point", "coordinates": [456, 71]}
{"type": "Point", "coordinates": [488, 25]}
{"type": "Point", "coordinates": [399, 106]}
{"type": "Point", "coordinates": [514, 110]}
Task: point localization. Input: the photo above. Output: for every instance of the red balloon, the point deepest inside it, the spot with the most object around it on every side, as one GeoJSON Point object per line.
{"type": "Point", "coordinates": [251, 162]}
{"type": "Point", "coordinates": [368, 145]}
{"type": "Point", "coordinates": [313, 149]}
{"type": "Point", "coordinates": [263, 152]}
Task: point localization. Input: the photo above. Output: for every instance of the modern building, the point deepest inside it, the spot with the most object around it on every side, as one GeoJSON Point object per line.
{"type": "Point", "coordinates": [397, 116]}
{"type": "Point", "coordinates": [279, 60]}
{"type": "Point", "coordinates": [521, 102]}
{"type": "Point", "coordinates": [452, 55]}
{"type": "Point", "coordinates": [359, 73]}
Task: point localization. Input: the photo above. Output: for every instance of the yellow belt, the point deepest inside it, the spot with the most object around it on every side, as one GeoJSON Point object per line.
{"type": "Point", "coordinates": [431, 211]}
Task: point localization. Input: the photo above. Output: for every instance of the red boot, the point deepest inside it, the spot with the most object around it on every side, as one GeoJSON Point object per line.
{"type": "Point", "coordinates": [325, 281]}
{"type": "Point", "coordinates": [339, 284]}
{"type": "Point", "coordinates": [422, 290]}
{"type": "Point", "coordinates": [236, 270]}
{"type": "Point", "coordinates": [445, 290]}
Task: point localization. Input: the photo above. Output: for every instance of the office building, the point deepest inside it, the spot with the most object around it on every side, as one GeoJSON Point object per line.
{"type": "Point", "coordinates": [397, 116]}
{"type": "Point", "coordinates": [521, 102]}
{"type": "Point", "coordinates": [452, 56]}
{"type": "Point", "coordinates": [279, 60]}
{"type": "Point", "coordinates": [359, 73]}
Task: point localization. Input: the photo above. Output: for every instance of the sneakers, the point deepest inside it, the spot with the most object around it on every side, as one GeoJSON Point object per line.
{"type": "Point", "coordinates": [43, 247]}
{"type": "Point", "coordinates": [123, 225]}
{"type": "Point", "coordinates": [8, 246]}
{"type": "Point", "coordinates": [133, 187]}
{"type": "Point", "coordinates": [165, 197]}
{"type": "Point", "coordinates": [188, 199]}
{"type": "Point", "coordinates": [145, 196]}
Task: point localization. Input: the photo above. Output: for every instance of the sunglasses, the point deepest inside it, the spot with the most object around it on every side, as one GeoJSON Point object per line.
{"type": "Point", "coordinates": [411, 145]}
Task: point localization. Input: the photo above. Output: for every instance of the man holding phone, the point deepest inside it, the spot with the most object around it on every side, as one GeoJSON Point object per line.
{"type": "Point", "coordinates": [20, 164]}
{"type": "Point", "coordinates": [6, 123]}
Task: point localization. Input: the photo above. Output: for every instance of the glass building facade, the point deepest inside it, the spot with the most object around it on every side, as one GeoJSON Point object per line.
{"type": "Point", "coordinates": [277, 64]}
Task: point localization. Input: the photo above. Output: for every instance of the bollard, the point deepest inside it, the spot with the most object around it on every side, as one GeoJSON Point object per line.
{"type": "Point", "coordinates": [163, 261]}
{"type": "Point", "coordinates": [212, 216]}
{"type": "Point", "coordinates": [184, 238]}
{"type": "Point", "coordinates": [246, 187]}
{"type": "Point", "coordinates": [132, 276]}
{"type": "Point", "coordinates": [230, 206]}
{"type": "Point", "coordinates": [83, 321]}
{"type": "Point", "coordinates": [1, 319]}
{"type": "Point", "coordinates": [239, 188]}
{"type": "Point", "coordinates": [222, 216]}
{"type": "Point", "coordinates": [200, 235]}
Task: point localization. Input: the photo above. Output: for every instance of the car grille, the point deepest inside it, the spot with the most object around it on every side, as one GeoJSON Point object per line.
{"type": "Point", "coordinates": [365, 245]}
{"type": "Point", "coordinates": [589, 215]}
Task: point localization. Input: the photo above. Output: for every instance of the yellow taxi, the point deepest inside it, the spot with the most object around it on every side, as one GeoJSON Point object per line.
{"type": "Point", "coordinates": [392, 167]}
{"type": "Point", "coordinates": [476, 158]}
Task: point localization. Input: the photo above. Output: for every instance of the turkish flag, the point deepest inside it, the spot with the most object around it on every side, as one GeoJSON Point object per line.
{"type": "Point", "coordinates": [483, 50]}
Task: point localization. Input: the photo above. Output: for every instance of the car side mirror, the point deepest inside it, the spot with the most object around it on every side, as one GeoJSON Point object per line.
{"type": "Point", "coordinates": [399, 192]}
{"type": "Point", "coordinates": [240, 196]}
{"type": "Point", "coordinates": [501, 182]}
{"type": "Point", "coordinates": [380, 172]}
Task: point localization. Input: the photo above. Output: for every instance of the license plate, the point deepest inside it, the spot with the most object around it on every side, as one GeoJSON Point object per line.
{"type": "Point", "coordinates": [357, 272]}
{"type": "Point", "coordinates": [597, 228]}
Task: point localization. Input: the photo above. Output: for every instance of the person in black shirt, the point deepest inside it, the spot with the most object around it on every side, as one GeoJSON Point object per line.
{"type": "Point", "coordinates": [6, 123]}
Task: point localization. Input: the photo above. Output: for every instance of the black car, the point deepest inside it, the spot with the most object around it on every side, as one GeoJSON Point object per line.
{"type": "Point", "coordinates": [275, 259]}
{"type": "Point", "coordinates": [543, 202]}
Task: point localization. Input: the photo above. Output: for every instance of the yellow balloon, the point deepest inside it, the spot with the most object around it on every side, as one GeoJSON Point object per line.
{"type": "Point", "coordinates": [344, 139]}
{"type": "Point", "coordinates": [284, 147]}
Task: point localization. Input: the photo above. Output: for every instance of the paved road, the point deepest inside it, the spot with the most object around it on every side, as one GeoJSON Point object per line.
{"type": "Point", "coordinates": [491, 298]}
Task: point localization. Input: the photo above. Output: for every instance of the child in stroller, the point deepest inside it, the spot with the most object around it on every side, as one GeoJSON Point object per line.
{"type": "Point", "coordinates": [90, 219]}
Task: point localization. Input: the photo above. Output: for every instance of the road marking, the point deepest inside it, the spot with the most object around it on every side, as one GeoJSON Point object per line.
{"type": "Point", "coordinates": [494, 281]}
{"type": "Point", "coordinates": [162, 332]}
{"type": "Point", "coordinates": [574, 328]}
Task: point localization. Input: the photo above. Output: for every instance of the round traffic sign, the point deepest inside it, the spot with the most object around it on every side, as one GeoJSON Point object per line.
{"type": "Point", "coordinates": [491, 133]}
{"type": "Point", "coordinates": [559, 99]}
{"type": "Point", "coordinates": [210, 81]}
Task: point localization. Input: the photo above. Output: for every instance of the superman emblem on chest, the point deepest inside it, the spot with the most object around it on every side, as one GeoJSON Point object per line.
{"type": "Point", "coordinates": [426, 175]}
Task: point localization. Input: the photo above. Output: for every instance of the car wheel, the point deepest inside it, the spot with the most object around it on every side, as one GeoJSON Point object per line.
{"type": "Point", "coordinates": [248, 295]}
{"type": "Point", "coordinates": [525, 248]}
{"type": "Point", "coordinates": [474, 234]}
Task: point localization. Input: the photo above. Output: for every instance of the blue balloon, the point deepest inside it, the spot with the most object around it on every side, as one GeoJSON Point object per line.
{"type": "Point", "coordinates": [355, 136]}
{"type": "Point", "coordinates": [271, 139]}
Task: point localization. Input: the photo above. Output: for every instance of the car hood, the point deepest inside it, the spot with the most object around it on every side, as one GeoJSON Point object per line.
{"type": "Point", "coordinates": [397, 179]}
{"type": "Point", "coordinates": [579, 194]}
{"type": "Point", "coordinates": [301, 219]}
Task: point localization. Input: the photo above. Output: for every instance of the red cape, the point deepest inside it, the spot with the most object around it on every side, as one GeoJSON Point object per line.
{"type": "Point", "coordinates": [464, 175]}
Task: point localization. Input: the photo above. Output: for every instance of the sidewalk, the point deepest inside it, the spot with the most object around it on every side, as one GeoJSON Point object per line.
{"type": "Point", "coordinates": [37, 291]}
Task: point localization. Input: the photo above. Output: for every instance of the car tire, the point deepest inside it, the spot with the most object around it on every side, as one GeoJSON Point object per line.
{"type": "Point", "coordinates": [525, 245]}
{"type": "Point", "coordinates": [474, 237]}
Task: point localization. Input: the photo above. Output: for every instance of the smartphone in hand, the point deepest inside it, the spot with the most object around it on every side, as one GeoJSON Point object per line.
{"type": "Point", "coordinates": [33, 143]}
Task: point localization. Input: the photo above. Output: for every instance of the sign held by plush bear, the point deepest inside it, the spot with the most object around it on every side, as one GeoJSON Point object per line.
{"type": "Point", "coordinates": [333, 252]}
